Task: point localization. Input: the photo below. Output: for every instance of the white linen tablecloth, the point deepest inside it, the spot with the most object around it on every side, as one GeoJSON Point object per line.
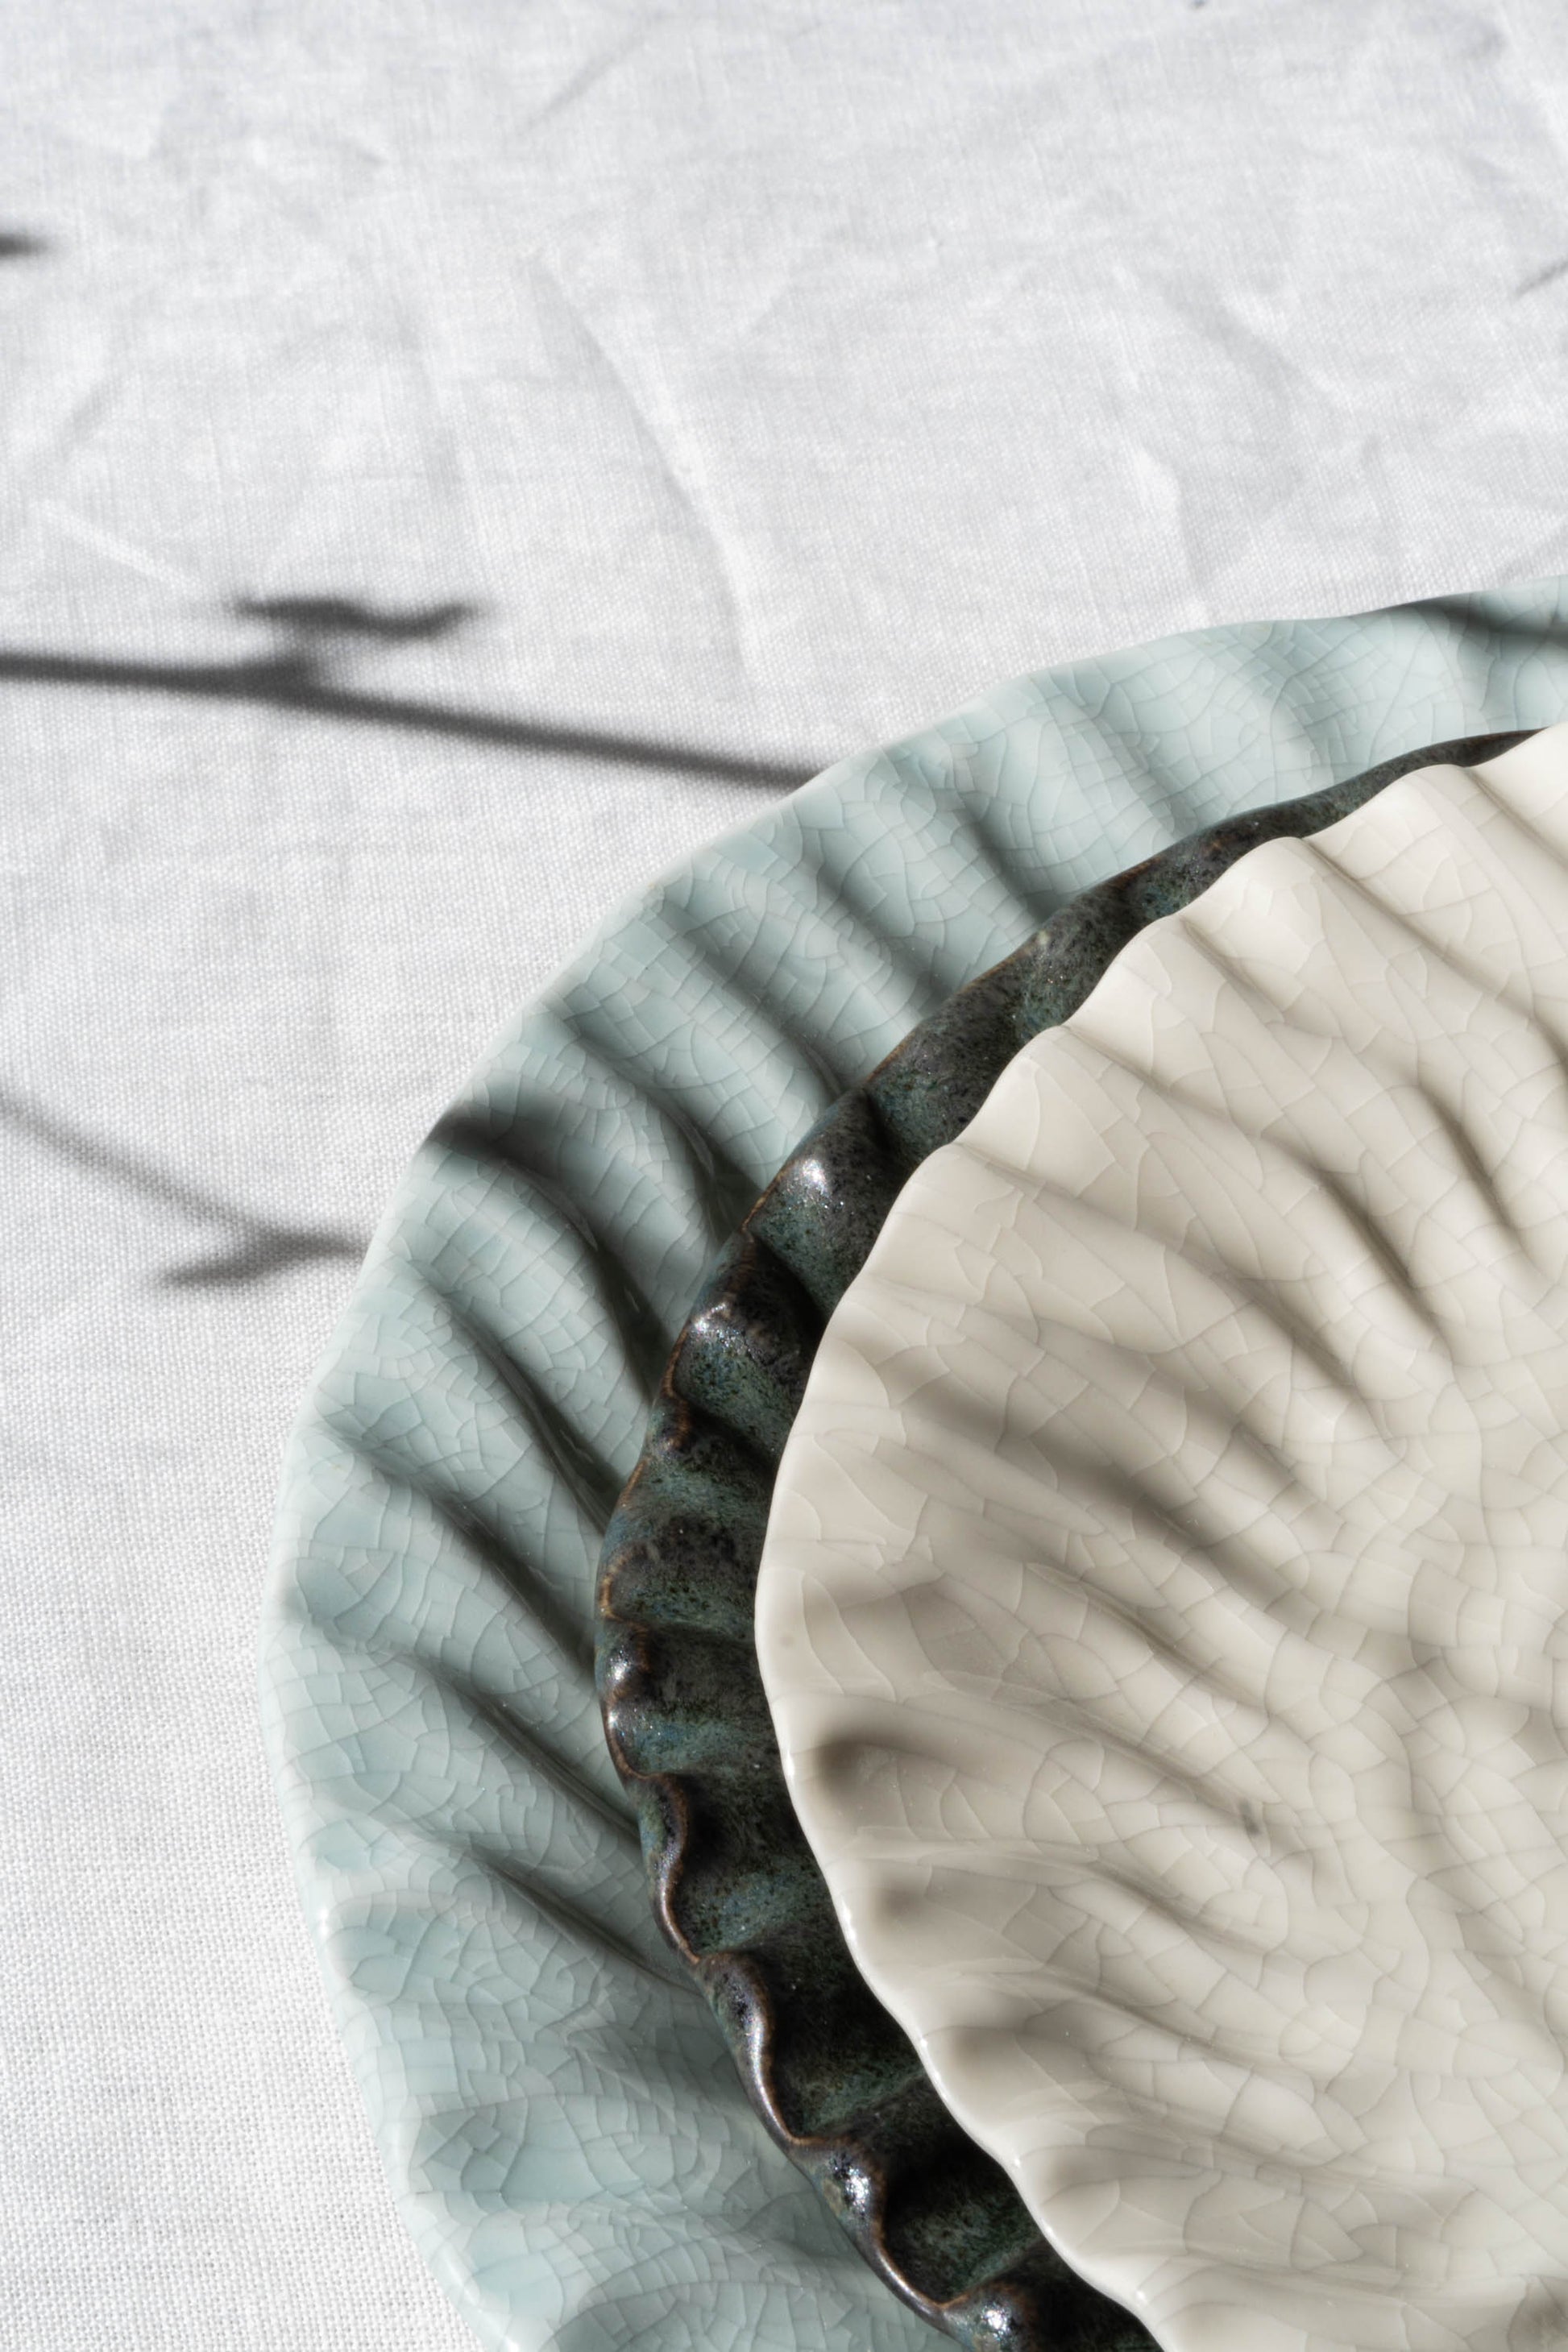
{"type": "Point", "coordinates": [455, 458]}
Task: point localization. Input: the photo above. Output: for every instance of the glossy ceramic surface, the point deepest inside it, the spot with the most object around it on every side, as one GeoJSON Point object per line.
{"type": "Point", "coordinates": [735, 1887]}
{"type": "Point", "coordinates": [559, 2117]}
{"type": "Point", "coordinates": [1162, 1604]}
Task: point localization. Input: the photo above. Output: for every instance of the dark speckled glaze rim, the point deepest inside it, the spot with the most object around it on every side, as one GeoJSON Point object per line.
{"type": "Point", "coordinates": [734, 1886]}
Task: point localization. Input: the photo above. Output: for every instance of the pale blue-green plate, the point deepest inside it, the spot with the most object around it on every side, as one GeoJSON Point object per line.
{"type": "Point", "coordinates": [562, 2124]}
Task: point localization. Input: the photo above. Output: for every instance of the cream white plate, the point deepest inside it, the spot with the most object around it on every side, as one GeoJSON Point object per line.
{"type": "Point", "coordinates": [1162, 1606]}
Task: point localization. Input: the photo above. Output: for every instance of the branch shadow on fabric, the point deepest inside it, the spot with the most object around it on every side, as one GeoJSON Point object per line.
{"type": "Point", "coordinates": [301, 675]}
{"type": "Point", "coordinates": [317, 632]}
{"type": "Point", "coordinates": [249, 1248]}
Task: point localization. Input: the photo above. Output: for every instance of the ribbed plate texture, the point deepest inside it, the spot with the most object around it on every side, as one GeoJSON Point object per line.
{"type": "Point", "coordinates": [560, 2121]}
{"type": "Point", "coordinates": [735, 1884]}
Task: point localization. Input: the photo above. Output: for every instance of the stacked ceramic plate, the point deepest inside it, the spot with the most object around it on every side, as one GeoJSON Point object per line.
{"type": "Point", "coordinates": [1137, 1393]}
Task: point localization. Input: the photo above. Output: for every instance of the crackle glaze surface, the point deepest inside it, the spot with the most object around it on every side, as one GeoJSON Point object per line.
{"type": "Point", "coordinates": [558, 2114]}
{"type": "Point", "coordinates": [1163, 1605]}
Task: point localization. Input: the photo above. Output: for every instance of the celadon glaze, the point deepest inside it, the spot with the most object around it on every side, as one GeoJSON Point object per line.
{"type": "Point", "coordinates": [1164, 1605]}
{"type": "Point", "coordinates": [560, 2121]}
